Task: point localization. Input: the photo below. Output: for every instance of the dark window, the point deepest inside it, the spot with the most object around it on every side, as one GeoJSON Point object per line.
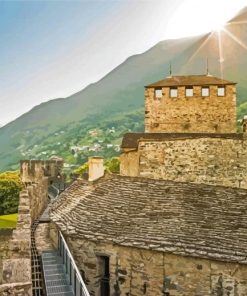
{"type": "Point", "coordinates": [104, 265]}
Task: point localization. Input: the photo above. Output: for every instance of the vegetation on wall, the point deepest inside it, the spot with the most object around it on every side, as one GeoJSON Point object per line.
{"type": "Point", "coordinates": [10, 186]}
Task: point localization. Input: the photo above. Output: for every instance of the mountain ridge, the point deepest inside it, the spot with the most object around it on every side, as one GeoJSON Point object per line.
{"type": "Point", "coordinates": [122, 89]}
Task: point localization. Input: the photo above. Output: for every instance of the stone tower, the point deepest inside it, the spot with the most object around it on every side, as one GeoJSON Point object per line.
{"type": "Point", "coordinates": [190, 104]}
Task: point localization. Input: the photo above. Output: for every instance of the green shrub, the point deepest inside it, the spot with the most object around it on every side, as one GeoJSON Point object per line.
{"type": "Point", "coordinates": [113, 165]}
{"type": "Point", "coordinates": [82, 169]}
{"type": "Point", "coordinates": [10, 187]}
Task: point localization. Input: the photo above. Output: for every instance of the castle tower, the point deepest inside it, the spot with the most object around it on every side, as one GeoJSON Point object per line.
{"type": "Point", "coordinates": [190, 104]}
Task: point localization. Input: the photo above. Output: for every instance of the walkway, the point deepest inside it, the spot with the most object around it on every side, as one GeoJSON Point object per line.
{"type": "Point", "coordinates": [61, 274]}
{"type": "Point", "coordinates": [53, 193]}
{"type": "Point", "coordinates": [55, 277]}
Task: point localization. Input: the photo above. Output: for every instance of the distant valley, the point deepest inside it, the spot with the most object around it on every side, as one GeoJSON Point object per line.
{"type": "Point", "coordinates": [93, 120]}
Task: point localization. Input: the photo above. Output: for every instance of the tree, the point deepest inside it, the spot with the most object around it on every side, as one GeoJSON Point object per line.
{"type": "Point", "coordinates": [113, 165]}
{"type": "Point", "coordinates": [82, 169]}
{"type": "Point", "coordinates": [10, 187]}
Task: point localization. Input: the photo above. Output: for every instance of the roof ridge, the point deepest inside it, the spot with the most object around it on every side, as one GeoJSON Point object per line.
{"type": "Point", "coordinates": [193, 79]}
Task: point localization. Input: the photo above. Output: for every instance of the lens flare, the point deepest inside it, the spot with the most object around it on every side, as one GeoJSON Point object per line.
{"type": "Point", "coordinates": [206, 39]}
{"type": "Point", "coordinates": [220, 40]}
{"type": "Point", "coordinates": [235, 38]}
{"type": "Point", "coordinates": [221, 58]}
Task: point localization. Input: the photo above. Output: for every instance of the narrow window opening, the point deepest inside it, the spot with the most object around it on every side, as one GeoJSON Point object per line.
{"type": "Point", "coordinates": [189, 92]}
{"type": "Point", "coordinates": [158, 93]}
{"type": "Point", "coordinates": [221, 91]}
{"type": "Point", "coordinates": [173, 92]}
{"type": "Point", "coordinates": [205, 91]}
{"type": "Point", "coordinates": [104, 267]}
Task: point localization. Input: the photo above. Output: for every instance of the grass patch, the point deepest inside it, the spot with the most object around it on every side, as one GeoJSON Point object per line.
{"type": "Point", "coordinates": [8, 221]}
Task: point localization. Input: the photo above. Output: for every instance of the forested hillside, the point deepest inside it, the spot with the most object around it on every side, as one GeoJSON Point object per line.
{"type": "Point", "coordinates": [116, 101]}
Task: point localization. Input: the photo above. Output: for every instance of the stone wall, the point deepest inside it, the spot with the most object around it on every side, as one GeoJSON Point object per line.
{"type": "Point", "coordinates": [129, 163]}
{"type": "Point", "coordinates": [17, 273]}
{"type": "Point", "coordinates": [34, 170]}
{"type": "Point", "coordinates": [16, 289]}
{"type": "Point", "coordinates": [5, 236]}
{"type": "Point", "coordinates": [53, 234]}
{"type": "Point", "coordinates": [215, 161]}
{"type": "Point", "coordinates": [46, 237]}
{"type": "Point", "coordinates": [191, 114]}
{"type": "Point", "coordinates": [138, 272]}
{"type": "Point", "coordinates": [17, 267]}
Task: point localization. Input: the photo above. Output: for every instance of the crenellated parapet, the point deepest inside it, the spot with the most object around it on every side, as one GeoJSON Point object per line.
{"type": "Point", "coordinates": [36, 176]}
{"type": "Point", "coordinates": [17, 268]}
{"type": "Point", "coordinates": [34, 170]}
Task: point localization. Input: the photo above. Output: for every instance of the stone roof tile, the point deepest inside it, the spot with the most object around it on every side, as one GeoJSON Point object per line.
{"type": "Point", "coordinates": [181, 218]}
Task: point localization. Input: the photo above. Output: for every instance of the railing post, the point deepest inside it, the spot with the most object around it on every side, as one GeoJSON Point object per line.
{"type": "Point", "coordinates": [75, 283]}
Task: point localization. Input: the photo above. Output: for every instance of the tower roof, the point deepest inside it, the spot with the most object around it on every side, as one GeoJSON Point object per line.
{"type": "Point", "coordinates": [190, 80]}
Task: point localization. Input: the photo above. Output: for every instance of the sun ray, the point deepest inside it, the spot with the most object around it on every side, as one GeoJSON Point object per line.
{"type": "Point", "coordinates": [221, 58]}
{"type": "Point", "coordinates": [235, 38]}
{"type": "Point", "coordinates": [236, 23]}
{"type": "Point", "coordinates": [199, 48]}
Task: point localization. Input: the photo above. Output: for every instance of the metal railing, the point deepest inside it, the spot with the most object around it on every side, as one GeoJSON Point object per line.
{"type": "Point", "coordinates": [72, 271]}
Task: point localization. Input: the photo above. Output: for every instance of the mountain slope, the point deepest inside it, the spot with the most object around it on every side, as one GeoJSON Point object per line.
{"type": "Point", "coordinates": [121, 91]}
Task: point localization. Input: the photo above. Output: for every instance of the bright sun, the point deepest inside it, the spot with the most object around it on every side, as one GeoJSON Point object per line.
{"type": "Point", "coordinates": [194, 17]}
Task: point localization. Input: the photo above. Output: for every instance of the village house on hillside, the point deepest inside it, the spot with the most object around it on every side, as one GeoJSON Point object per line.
{"type": "Point", "coordinates": [173, 222]}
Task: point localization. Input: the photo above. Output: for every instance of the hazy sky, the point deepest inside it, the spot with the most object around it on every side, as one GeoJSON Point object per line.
{"type": "Point", "coordinates": [51, 49]}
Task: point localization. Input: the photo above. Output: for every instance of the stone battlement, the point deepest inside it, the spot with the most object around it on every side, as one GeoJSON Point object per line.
{"type": "Point", "coordinates": [34, 170]}
{"type": "Point", "coordinates": [36, 176]}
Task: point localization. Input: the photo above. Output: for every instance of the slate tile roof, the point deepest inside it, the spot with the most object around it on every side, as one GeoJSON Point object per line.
{"type": "Point", "coordinates": [131, 140]}
{"type": "Point", "coordinates": [190, 80]}
{"type": "Point", "coordinates": [181, 218]}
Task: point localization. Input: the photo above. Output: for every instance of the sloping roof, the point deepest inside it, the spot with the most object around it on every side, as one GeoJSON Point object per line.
{"type": "Point", "coordinates": [181, 218]}
{"type": "Point", "coordinates": [190, 80]}
{"type": "Point", "coordinates": [131, 140]}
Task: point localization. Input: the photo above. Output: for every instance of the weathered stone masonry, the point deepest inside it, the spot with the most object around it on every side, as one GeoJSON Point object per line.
{"type": "Point", "coordinates": [135, 271]}
{"type": "Point", "coordinates": [218, 159]}
{"type": "Point", "coordinates": [161, 225]}
{"type": "Point", "coordinates": [5, 236]}
{"type": "Point", "coordinates": [204, 114]}
{"type": "Point", "coordinates": [161, 236]}
{"type": "Point", "coordinates": [35, 176]}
